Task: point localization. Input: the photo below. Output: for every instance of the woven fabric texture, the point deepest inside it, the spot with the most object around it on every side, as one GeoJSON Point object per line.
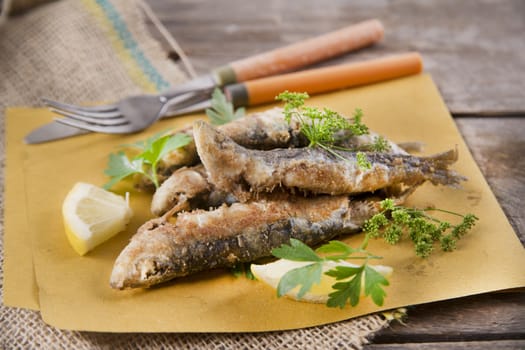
{"type": "Point", "coordinates": [78, 51]}
{"type": "Point", "coordinates": [87, 50]}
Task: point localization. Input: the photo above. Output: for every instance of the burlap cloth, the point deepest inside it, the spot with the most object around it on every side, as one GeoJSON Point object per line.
{"type": "Point", "coordinates": [68, 50]}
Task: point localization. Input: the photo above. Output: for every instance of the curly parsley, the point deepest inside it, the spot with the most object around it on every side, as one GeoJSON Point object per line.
{"type": "Point", "coordinates": [424, 230]}
{"type": "Point", "coordinates": [320, 126]}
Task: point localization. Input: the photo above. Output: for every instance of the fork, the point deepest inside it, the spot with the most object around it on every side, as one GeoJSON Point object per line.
{"type": "Point", "coordinates": [130, 115]}
{"type": "Point", "coordinates": [136, 113]}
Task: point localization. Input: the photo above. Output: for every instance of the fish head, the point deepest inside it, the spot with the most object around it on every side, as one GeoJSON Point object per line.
{"type": "Point", "coordinates": [146, 261]}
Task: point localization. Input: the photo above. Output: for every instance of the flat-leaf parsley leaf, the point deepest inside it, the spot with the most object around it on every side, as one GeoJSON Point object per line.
{"type": "Point", "coordinates": [349, 279]}
{"type": "Point", "coordinates": [120, 166]}
{"type": "Point", "coordinates": [222, 111]}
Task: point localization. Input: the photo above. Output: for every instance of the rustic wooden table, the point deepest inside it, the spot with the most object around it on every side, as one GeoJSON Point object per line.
{"type": "Point", "coordinates": [474, 51]}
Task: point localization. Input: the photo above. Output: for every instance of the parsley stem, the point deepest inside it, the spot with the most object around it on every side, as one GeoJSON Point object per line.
{"type": "Point", "coordinates": [331, 151]}
{"type": "Point", "coordinates": [154, 175]}
{"type": "Point", "coordinates": [365, 242]}
{"type": "Point", "coordinates": [368, 257]}
{"type": "Point", "coordinates": [339, 148]}
{"type": "Point", "coordinates": [423, 213]}
{"type": "Point", "coordinates": [444, 211]}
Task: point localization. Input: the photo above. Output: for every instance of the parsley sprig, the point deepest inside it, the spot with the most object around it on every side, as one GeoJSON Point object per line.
{"type": "Point", "coordinates": [322, 126]}
{"type": "Point", "coordinates": [222, 110]}
{"type": "Point", "coordinates": [349, 279]}
{"type": "Point", "coordinates": [390, 223]}
{"type": "Point", "coordinates": [151, 151]}
{"type": "Point", "coordinates": [319, 125]}
{"type": "Point", "coordinates": [424, 230]}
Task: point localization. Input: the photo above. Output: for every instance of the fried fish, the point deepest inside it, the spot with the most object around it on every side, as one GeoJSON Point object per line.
{"type": "Point", "coordinates": [191, 185]}
{"type": "Point", "coordinates": [261, 199]}
{"type": "Point", "coordinates": [245, 173]}
{"type": "Point", "coordinates": [243, 232]}
{"type": "Point", "coordinates": [188, 188]}
{"type": "Point", "coordinates": [263, 130]}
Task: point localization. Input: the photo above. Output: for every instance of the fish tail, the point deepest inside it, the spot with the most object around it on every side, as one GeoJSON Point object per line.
{"type": "Point", "coordinates": [443, 159]}
{"type": "Point", "coordinates": [438, 172]}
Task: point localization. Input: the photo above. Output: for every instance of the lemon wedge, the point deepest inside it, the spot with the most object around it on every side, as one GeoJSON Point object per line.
{"type": "Point", "coordinates": [272, 272]}
{"type": "Point", "coordinates": [93, 215]}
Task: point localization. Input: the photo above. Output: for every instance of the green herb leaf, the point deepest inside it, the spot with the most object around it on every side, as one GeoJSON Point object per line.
{"type": "Point", "coordinates": [338, 250]}
{"type": "Point", "coordinates": [349, 286]}
{"type": "Point", "coordinates": [293, 101]}
{"type": "Point", "coordinates": [373, 282]}
{"type": "Point", "coordinates": [394, 222]}
{"type": "Point", "coordinates": [222, 111]}
{"type": "Point", "coordinates": [120, 167]}
{"type": "Point", "coordinates": [362, 161]}
{"type": "Point", "coordinates": [305, 277]}
{"type": "Point", "coordinates": [145, 163]}
{"type": "Point", "coordinates": [163, 145]}
{"type": "Point", "coordinates": [296, 251]}
{"type": "Point", "coordinates": [380, 144]}
{"type": "Point", "coordinates": [358, 128]}
{"type": "Point", "coordinates": [351, 290]}
{"type": "Point", "coordinates": [343, 272]}
{"type": "Point", "coordinates": [346, 291]}
{"type": "Point", "coordinates": [320, 126]}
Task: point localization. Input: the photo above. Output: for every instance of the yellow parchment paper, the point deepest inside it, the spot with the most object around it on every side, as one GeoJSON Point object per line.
{"type": "Point", "coordinates": [20, 289]}
{"type": "Point", "coordinates": [74, 292]}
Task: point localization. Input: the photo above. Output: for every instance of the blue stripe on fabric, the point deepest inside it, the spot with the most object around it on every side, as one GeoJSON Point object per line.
{"type": "Point", "coordinates": [131, 45]}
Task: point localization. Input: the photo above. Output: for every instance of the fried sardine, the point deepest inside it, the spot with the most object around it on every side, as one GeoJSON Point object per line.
{"type": "Point", "coordinates": [264, 130]}
{"type": "Point", "coordinates": [191, 185]}
{"type": "Point", "coordinates": [243, 232]}
{"type": "Point", "coordinates": [245, 173]}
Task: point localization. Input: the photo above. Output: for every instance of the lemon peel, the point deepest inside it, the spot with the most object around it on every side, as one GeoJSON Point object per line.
{"type": "Point", "coordinates": [93, 215]}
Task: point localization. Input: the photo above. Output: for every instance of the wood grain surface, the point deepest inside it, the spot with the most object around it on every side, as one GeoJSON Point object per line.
{"type": "Point", "coordinates": [498, 146]}
{"type": "Point", "coordinates": [474, 50]}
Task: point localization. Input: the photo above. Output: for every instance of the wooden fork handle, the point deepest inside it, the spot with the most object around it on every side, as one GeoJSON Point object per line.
{"type": "Point", "coordinates": [325, 79]}
{"type": "Point", "coordinates": [302, 54]}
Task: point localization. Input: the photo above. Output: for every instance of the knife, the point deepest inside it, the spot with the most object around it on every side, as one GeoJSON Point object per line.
{"type": "Point", "coordinates": [52, 131]}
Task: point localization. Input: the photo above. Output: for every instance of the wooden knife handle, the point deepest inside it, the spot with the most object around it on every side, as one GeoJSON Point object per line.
{"type": "Point", "coordinates": [325, 79]}
{"type": "Point", "coordinates": [302, 54]}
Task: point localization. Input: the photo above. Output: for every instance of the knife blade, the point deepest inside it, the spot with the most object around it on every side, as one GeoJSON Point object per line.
{"type": "Point", "coordinates": [52, 131]}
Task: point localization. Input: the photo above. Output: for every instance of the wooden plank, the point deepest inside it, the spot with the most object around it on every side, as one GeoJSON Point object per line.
{"type": "Point", "coordinates": [478, 345]}
{"type": "Point", "coordinates": [498, 146]}
{"type": "Point", "coordinates": [495, 316]}
{"type": "Point", "coordinates": [474, 49]}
